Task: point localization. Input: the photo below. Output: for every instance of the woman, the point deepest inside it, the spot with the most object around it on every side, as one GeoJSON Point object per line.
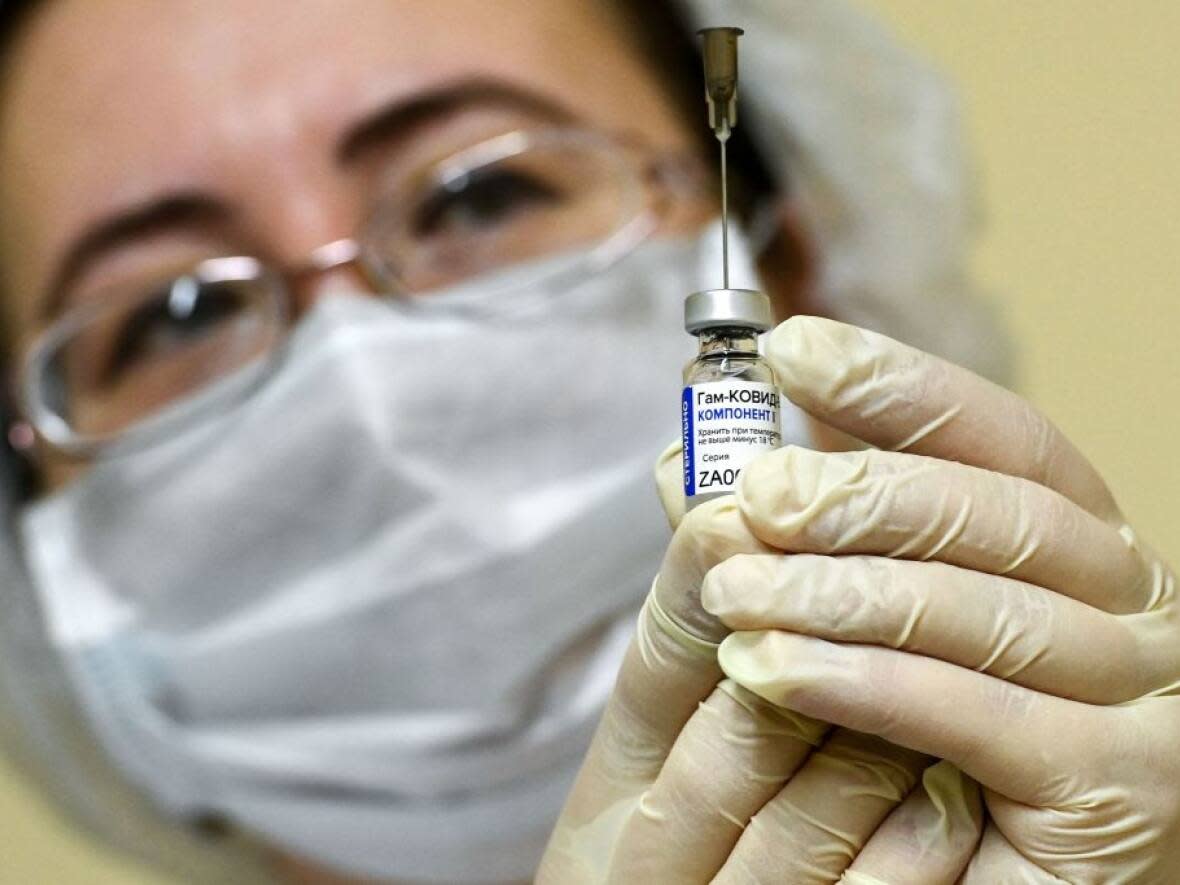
{"type": "Point", "coordinates": [347, 578]}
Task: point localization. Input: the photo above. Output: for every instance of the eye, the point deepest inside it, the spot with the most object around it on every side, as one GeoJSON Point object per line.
{"type": "Point", "coordinates": [169, 320]}
{"type": "Point", "coordinates": [479, 200]}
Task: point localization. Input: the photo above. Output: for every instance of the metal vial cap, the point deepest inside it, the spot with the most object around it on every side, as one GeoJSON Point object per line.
{"type": "Point", "coordinates": [727, 308]}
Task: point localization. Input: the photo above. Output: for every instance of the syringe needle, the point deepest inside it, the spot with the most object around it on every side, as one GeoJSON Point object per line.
{"type": "Point", "coordinates": [724, 218]}
{"type": "Point", "coordinates": [721, 82]}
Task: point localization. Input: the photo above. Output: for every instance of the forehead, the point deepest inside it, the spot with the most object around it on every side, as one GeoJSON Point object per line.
{"type": "Point", "coordinates": [106, 103]}
{"type": "Point", "coordinates": [131, 62]}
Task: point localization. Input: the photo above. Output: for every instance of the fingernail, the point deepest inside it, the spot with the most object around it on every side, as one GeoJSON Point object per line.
{"type": "Point", "coordinates": [956, 799]}
{"type": "Point", "coordinates": [742, 590]}
{"type": "Point", "coordinates": [715, 591]}
{"type": "Point", "coordinates": [777, 665]}
{"type": "Point", "coordinates": [822, 361]}
{"type": "Point", "coordinates": [724, 583]}
{"type": "Point", "coordinates": [782, 492]}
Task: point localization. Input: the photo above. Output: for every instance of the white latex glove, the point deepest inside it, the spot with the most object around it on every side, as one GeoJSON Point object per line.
{"type": "Point", "coordinates": [691, 778]}
{"type": "Point", "coordinates": [972, 592]}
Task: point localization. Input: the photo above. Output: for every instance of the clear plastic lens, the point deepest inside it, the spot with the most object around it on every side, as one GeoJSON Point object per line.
{"type": "Point", "coordinates": [488, 209]}
{"type": "Point", "coordinates": [124, 361]}
{"type": "Point", "coordinates": [131, 362]}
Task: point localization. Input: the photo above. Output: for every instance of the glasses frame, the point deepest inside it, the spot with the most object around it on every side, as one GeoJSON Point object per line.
{"type": "Point", "coordinates": [656, 180]}
{"type": "Point", "coordinates": [640, 218]}
{"type": "Point", "coordinates": [54, 431]}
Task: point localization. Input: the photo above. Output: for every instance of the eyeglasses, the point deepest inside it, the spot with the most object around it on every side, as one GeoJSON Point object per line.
{"type": "Point", "coordinates": [119, 367]}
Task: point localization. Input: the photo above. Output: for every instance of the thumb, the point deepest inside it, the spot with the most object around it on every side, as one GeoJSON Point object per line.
{"type": "Point", "coordinates": [665, 674]}
{"type": "Point", "coordinates": [669, 669]}
{"type": "Point", "coordinates": [670, 482]}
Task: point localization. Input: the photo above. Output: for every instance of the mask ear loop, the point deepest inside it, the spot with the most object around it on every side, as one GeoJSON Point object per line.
{"type": "Point", "coordinates": [19, 454]}
{"type": "Point", "coordinates": [18, 433]}
{"type": "Point", "coordinates": [21, 437]}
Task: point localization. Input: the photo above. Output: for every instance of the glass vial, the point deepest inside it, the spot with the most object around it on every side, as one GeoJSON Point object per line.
{"type": "Point", "coordinates": [730, 407]}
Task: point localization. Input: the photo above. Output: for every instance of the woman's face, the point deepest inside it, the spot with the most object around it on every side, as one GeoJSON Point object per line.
{"type": "Point", "coordinates": [136, 138]}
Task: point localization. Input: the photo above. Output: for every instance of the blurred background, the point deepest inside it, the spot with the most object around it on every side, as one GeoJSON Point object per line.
{"type": "Point", "coordinates": [1071, 106]}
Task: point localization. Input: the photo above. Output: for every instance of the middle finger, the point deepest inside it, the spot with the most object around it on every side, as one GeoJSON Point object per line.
{"type": "Point", "coordinates": [914, 507]}
{"type": "Point", "coordinates": [1006, 628]}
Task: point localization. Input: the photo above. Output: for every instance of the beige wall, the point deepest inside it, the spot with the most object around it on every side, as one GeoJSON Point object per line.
{"type": "Point", "coordinates": [1075, 110]}
{"type": "Point", "coordinates": [36, 849]}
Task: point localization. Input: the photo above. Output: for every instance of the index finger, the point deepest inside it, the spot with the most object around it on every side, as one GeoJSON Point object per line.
{"type": "Point", "coordinates": [670, 667]}
{"type": "Point", "coordinates": [898, 398]}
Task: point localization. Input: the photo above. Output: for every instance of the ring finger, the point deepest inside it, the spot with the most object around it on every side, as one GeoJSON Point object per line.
{"type": "Point", "coordinates": [813, 827]}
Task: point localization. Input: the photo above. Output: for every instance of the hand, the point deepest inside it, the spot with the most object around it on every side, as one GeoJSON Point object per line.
{"type": "Point", "coordinates": [691, 778]}
{"type": "Point", "coordinates": [972, 592]}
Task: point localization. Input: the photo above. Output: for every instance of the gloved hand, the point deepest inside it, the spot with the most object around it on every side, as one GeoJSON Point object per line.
{"type": "Point", "coordinates": [691, 778]}
{"type": "Point", "coordinates": [971, 592]}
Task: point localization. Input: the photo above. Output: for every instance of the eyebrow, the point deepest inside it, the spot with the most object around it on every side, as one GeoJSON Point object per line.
{"type": "Point", "coordinates": [396, 120]}
{"type": "Point", "coordinates": [173, 211]}
{"type": "Point", "coordinates": [399, 119]}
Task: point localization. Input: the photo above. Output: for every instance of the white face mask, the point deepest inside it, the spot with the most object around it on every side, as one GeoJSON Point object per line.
{"type": "Point", "coordinates": [373, 614]}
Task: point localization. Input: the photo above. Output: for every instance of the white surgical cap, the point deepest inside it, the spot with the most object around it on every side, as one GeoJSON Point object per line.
{"type": "Point", "coordinates": [871, 141]}
{"type": "Point", "coordinates": [869, 138]}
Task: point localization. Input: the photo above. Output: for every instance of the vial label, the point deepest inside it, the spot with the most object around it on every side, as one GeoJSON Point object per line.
{"type": "Point", "coordinates": [724, 424]}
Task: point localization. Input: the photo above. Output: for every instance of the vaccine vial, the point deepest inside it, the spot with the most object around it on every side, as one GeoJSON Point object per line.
{"type": "Point", "coordinates": [730, 408]}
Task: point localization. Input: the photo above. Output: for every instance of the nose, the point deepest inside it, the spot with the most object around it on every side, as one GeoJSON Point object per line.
{"type": "Point", "coordinates": [332, 267]}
